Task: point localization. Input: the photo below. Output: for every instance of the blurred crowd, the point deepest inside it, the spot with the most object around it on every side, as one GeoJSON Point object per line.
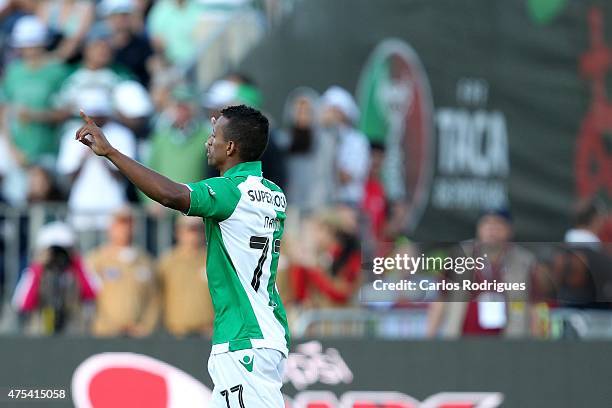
{"type": "Point", "coordinates": [340, 217]}
{"type": "Point", "coordinates": [113, 59]}
{"type": "Point", "coordinates": [329, 169]}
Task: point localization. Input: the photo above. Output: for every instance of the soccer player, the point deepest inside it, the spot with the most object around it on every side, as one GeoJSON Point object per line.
{"type": "Point", "coordinates": [244, 216]}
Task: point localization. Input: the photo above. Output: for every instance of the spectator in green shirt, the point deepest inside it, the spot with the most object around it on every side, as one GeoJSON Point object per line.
{"type": "Point", "coordinates": [28, 87]}
{"type": "Point", "coordinates": [173, 27]}
{"type": "Point", "coordinates": [178, 141]}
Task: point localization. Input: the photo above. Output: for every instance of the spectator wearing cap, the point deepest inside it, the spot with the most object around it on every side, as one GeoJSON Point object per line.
{"type": "Point", "coordinates": [13, 10]}
{"type": "Point", "coordinates": [95, 73]}
{"type": "Point", "coordinates": [29, 86]}
{"type": "Point", "coordinates": [131, 48]}
{"type": "Point", "coordinates": [128, 300]}
{"type": "Point", "coordinates": [187, 308]}
{"type": "Point", "coordinates": [70, 20]}
{"type": "Point", "coordinates": [342, 151]}
{"type": "Point", "coordinates": [220, 94]}
{"type": "Point", "coordinates": [96, 188]}
{"type": "Point", "coordinates": [177, 141]}
{"type": "Point", "coordinates": [489, 313]}
{"type": "Point", "coordinates": [239, 89]}
{"type": "Point", "coordinates": [234, 89]}
{"type": "Point", "coordinates": [588, 221]}
{"type": "Point", "coordinates": [55, 290]}
{"type": "Point", "coordinates": [134, 108]}
{"type": "Point", "coordinates": [10, 12]}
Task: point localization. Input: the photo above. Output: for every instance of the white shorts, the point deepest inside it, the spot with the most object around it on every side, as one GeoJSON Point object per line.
{"type": "Point", "coordinates": [250, 378]}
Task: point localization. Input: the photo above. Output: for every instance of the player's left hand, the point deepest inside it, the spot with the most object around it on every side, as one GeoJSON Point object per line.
{"type": "Point", "coordinates": [97, 142]}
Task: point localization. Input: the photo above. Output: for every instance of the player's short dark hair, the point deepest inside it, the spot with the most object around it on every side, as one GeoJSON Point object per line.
{"type": "Point", "coordinates": [248, 128]}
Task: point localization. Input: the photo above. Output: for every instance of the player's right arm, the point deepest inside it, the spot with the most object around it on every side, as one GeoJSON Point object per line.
{"type": "Point", "coordinates": [156, 186]}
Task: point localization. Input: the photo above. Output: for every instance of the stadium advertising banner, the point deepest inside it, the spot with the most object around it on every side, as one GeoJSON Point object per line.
{"type": "Point", "coordinates": [168, 373]}
{"type": "Point", "coordinates": [480, 104]}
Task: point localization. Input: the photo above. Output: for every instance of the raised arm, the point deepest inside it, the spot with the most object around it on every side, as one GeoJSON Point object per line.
{"type": "Point", "coordinates": [157, 187]}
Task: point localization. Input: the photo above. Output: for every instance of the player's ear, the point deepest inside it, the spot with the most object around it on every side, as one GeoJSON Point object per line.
{"type": "Point", "coordinates": [231, 148]}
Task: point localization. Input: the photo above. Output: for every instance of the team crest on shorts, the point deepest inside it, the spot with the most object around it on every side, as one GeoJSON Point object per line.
{"type": "Point", "coordinates": [247, 362]}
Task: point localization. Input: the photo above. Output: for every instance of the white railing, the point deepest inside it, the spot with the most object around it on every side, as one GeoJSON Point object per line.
{"type": "Point", "coordinates": [23, 224]}
{"type": "Point", "coordinates": [411, 323]}
{"type": "Point", "coordinates": [357, 322]}
{"type": "Point", "coordinates": [19, 228]}
{"type": "Point", "coordinates": [582, 324]}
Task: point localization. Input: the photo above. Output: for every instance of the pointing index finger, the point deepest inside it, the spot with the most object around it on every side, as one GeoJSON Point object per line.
{"type": "Point", "coordinates": [86, 118]}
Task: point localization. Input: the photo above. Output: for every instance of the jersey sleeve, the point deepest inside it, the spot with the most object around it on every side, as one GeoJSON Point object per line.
{"type": "Point", "coordinates": [214, 198]}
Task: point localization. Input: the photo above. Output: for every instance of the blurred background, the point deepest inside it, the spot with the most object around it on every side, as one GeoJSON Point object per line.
{"type": "Point", "coordinates": [438, 128]}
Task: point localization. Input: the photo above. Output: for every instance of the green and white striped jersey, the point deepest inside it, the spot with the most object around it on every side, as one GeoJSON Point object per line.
{"type": "Point", "coordinates": [244, 216]}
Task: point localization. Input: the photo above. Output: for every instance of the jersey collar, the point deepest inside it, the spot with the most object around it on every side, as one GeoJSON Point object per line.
{"type": "Point", "coordinates": [252, 168]}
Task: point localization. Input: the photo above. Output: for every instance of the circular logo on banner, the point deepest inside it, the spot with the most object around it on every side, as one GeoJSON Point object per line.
{"type": "Point", "coordinates": [397, 111]}
{"type": "Point", "coordinates": [130, 380]}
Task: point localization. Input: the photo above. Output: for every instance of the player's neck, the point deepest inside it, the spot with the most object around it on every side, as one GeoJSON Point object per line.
{"type": "Point", "coordinates": [228, 165]}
